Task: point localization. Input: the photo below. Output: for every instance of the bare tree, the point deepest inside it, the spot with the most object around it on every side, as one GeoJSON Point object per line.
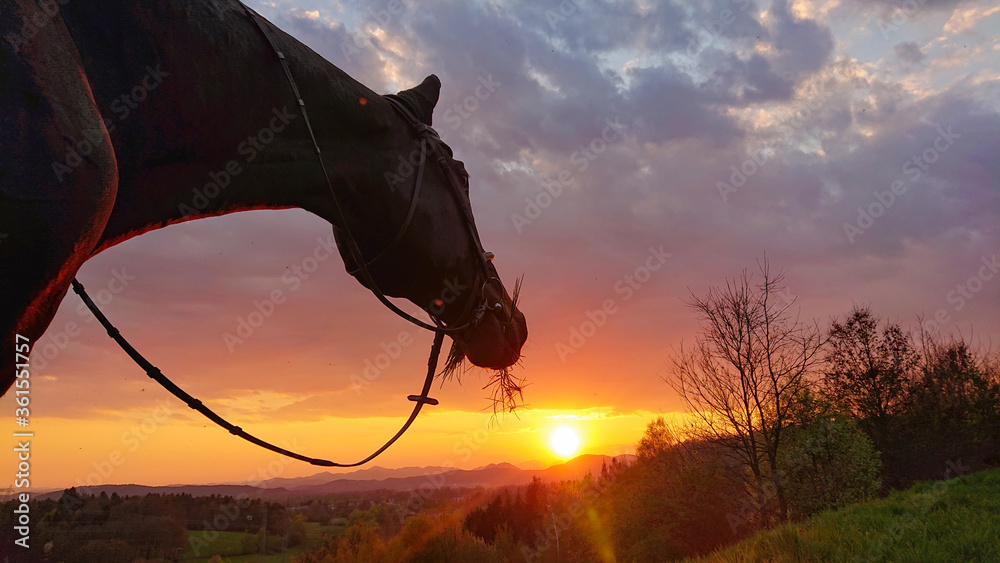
{"type": "Point", "coordinates": [740, 380]}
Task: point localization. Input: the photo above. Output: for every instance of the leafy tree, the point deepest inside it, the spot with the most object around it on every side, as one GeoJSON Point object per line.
{"type": "Point", "coordinates": [506, 546]}
{"type": "Point", "coordinates": [297, 530]}
{"type": "Point", "coordinates": [828, 461]}
{"type": "Point", "coordinates": [656, 440]}
{"type": "Point", "coordinates": [675, 504]}
{"type": "Point", "coordinates": [361, 543]}
{"type": "Point", "coordinates": [953, 416]}
{"type": "Point", "coordinates": [869, 372]}
{"type": "Point", "coordinates": [454, 545]}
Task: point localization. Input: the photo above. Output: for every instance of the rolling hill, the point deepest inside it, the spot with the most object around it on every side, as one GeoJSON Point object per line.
{"type": "Point", "coordinates": [953, 520]}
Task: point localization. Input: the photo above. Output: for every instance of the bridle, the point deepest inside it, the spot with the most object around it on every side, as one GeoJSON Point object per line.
{"type": "Point", "coordinates": [458, 180]}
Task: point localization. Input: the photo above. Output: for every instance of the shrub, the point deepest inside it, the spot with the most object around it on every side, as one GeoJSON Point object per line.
{"type": "Point", "coordinates": [828, 463]}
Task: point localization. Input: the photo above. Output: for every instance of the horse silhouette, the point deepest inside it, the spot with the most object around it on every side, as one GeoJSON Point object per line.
{"type": "Point", "coordinates": [120, 117]}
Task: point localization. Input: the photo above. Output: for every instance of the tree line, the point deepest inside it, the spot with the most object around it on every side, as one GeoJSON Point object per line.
{"type": "Point", "coordinates": [785, 419]}
{"type": "Point", "coordinates": [93, 528]}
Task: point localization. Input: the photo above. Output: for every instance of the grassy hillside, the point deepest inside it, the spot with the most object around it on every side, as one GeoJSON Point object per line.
{"type": "Point", "coordinates": [954, 520]}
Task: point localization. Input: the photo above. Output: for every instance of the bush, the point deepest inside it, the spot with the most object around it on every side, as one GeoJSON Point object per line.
{"type": "Point", "coordinates": [297, 530]}
{"type": "Point", "coordinates": [828, 463]}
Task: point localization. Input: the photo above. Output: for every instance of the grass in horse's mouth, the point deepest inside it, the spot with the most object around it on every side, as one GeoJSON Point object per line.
{"type": "Point", "coordinates": [507, 390]}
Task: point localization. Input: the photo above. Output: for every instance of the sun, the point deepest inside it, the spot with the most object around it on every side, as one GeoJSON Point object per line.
{"type": "Point", "coordinates": [564, 441]}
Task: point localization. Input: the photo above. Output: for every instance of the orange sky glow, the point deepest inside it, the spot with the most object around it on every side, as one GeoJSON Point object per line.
{"type": "Point", "coordinates": [834, 107]}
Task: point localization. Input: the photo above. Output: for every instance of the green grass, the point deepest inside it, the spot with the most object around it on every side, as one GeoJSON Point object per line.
{"type": "Point", "coordinates": [230, 546]}
{"type": "Point", "coordinates": [955, 520]}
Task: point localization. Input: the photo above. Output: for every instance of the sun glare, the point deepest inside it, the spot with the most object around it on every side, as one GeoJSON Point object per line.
{"type": "Point", "coordinates": [564, 441]}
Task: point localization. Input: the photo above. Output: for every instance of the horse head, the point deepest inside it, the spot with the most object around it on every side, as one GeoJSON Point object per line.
{"type": "Point", "coordinates": [413, 235]}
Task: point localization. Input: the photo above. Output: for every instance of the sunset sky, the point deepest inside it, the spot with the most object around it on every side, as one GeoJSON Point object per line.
{"type": "Point", "coordinates": [692, 138]}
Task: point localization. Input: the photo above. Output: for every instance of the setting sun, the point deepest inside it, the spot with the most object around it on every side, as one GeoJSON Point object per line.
{"type": "Point", "coordinates": [565, 441]}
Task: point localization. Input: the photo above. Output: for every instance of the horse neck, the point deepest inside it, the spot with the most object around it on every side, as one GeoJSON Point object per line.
{"type": "Point", "coordinates": [221, 131]}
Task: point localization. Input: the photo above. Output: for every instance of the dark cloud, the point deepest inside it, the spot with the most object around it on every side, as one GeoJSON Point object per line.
{"type": "Point", "coordinates": [715, 20]}
{"type": "Point", "coordinates": [803, 45]}
{"type": "Point", "coordinates": [743, 82]}
{"type": "Point", "coordinates": [668, 106]}
{"type": "Point", "coordinates": [909, 52]}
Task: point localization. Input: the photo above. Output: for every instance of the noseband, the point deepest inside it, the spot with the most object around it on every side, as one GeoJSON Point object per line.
{"type": "Point", "coordinates": [458, 182]}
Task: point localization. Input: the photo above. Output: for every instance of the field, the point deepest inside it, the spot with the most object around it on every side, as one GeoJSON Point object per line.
{"type": "Point", "coordinates": [954, 520]}
{"type": "Point", "coordinates": [229, 545]}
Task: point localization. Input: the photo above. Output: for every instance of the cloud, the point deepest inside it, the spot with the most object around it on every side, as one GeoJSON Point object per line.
{"type": "Point", "coordinates": [702, 92]}
{"type": "Point", "coordinates": [909, 52]}
{"type": "Point", "coordinates": [965, 20]}
{"type": "Point", "coordinates": [937, 5]}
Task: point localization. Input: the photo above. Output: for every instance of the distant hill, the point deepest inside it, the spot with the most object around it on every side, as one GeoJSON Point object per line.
{"type": "Point", "coordinates": [370, 474]}
{"type": "Point", "coordinates": [193, 490]}
{"type": "Point", "coordinates": [373, 479]}
{"type": "Point", "coordinates": [954, 520]}
{"type": "Point", "coordinates": [494, 475]}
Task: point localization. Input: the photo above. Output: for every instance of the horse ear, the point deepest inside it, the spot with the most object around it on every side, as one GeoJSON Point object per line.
{"type": "Point", "coordinates": [423, 97]}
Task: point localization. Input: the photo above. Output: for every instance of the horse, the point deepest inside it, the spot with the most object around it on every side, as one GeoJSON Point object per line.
{"type": "Point", "coordinates": [133, 116]}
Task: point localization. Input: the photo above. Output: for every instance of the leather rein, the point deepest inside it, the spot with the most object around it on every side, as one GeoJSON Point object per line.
{"type": "Point", "coordinates": [429, 139]}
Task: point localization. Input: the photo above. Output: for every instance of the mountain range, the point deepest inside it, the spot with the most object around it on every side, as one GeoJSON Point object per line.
{"type": "Point", "coordinates": [373, 479]}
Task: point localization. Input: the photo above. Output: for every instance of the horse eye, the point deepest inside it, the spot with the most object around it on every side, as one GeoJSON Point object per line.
{"type": "Point", "coordinates": [459, 167]}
